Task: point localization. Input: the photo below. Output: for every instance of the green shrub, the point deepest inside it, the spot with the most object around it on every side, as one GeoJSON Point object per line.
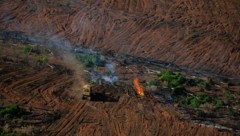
{"type": "Point", "coordinates": [180, 90]}
{"type": "Point", "coordinates": [56, 114]}
{"type": "Point", "coordinates": [219, 103]}
{"type": "Point", "coordinates": [190, 100]}
{"type": "Point", "coordinates": [204, 98]}
{"type": "Point", "coordinates": [193, 81]}
{"type": "Point", "coordinates": [10, 111]}
{"type": "Point", "coordinates": [199, 99]}
{"type": "Point", "coordinates": [27, 49]}
{"type": "Point", "coordinates": [173, 79]}
{"type": "Point", "coordinates": [195, 103]}
{"type": "Point", "coordinates": [207, 84]}
{"type": "Point", "coordinates": [90, 61]}
{"type": "Point", "coordinates": [42, 60]}
{"type": "Point", "coordinates": [166, 75]}
{"type": "Point", "coordinates": [228, 96]}
{"type": "Point", "coordinates": [107, 71]}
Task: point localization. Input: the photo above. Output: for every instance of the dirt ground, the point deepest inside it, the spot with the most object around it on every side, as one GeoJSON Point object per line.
{"type": "Point", "coordinates": [203, 34]}
{"type": "Point", "coordinates": [47, 93]}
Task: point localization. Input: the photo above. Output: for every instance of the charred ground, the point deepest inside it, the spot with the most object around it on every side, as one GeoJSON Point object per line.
{"type": "Point", "coordinates": [43, 91]}
{"type": "Point", "coordinates": [191, 35]}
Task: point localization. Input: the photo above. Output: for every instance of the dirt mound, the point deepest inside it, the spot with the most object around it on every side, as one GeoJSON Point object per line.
{"type": "Point", "coordinates": [203, 35]}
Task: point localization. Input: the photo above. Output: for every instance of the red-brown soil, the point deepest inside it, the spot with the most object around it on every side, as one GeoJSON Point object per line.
{"type": "Point", "coordinates": [198, 34]}
{"type": "Point", "coordinates": [44, 89]}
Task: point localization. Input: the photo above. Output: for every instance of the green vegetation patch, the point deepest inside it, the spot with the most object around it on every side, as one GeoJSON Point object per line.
{"type": "Point", "coordinates": [194, 81]}
{"type": "Point", "coordinates": [172, 79]}
{"type": "Point", "coordinates": [11, 111]}
{"type": "Point", "coordinates": [30, 50]}
{"type": "Point", "coordinates": [175, 83]}
{"type": "Point", "coordinates": [200, 99]}
{"type": "Point", "coordinates": [42, 60]}
{"type": "Point", "coordinates": [90, 60]}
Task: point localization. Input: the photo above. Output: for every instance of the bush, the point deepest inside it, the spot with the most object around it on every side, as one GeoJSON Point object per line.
{"type": "Point", "coordinates": [192, 101]}
{"type": "Point", "coordinates": [195, 102]}
{"type": "Point", "coordinates": [219, 103]}
{"type": "Point", "coordinates": [10, 111]}
{"type": "Point", "coordinates": [200, 99]}
{"type": "Point", "coordinates": [107, 72]}
{"type": "Point", "coordinates": [180, 90]}
{"type": "Point", "coordinates": [194, 81]}
{"type": "Point", "coordinates": [207, 84]}
{"type": "Point", "coordinates": [42, 60]}
{"type": "Point", "coordinates": [27, 49]}
{"type": "Point", "coordinates": [173, 79]}
{"type": "Point", "coordinates": [90, 61]}
{"type": "Point", "coordinates": [166, 75]}
{"type": "Point", "coordinates": [56, 114]}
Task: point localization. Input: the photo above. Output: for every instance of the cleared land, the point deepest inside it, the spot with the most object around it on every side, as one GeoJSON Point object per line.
{"type": "Point", "coordinates": [45, 94]}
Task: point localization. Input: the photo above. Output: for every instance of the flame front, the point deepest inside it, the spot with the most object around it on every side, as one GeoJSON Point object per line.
{"type": "Point", "coordinates": [138, 87]}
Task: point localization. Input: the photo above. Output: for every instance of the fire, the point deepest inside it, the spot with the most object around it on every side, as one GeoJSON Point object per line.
{"type": "Point", "coordinates": [138, 87]}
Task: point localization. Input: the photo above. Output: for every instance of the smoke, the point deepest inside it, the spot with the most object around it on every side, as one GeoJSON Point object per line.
{"type": "Point", "coordinates": [61, 48]}
{"type": "Point", "coordinates": [111, 67]}
{"type": "Point", "coordinates": [103, 74]}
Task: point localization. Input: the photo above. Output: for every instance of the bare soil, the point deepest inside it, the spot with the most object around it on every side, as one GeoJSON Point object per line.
{"type": "Point", "coordinates": [203, 34]}
{"type": "Point", "coordinates": [46, 92]}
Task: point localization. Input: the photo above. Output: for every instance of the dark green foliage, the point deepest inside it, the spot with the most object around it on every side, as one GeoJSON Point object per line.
{"type": "Point", "coordinates": [174, 82]}
{"type": "Point", "coordinates": [30, 50]}
{"type": "Point", "coordinates": [173, 79]}
{"type": "Point", "coordinates": [90, 61]}
{"type": "Point", "coordinates": [10, 111]}
{"type": "Point", "coordinates": [180, 90]}
{"type": "Point", "coordinates": [207, 84]}
{"type": "Point", "coordinates": [205, 98]}
{"type": "Point", "coordinates": [193, 81]}
{"type": "Point", "coordinates": [199, 99]}
{"type": "Point", "coordinates": [27, 49]}
{"type": "Point", "coordinates": [107, 71]}
{"type": "Point", "coordinates": [42, 60]}
{"type": "Point", "coordinates": [227, 95]}
{"type": "Point", "coordinates": [195, 103]}
{"type": "Point", "coordinates": [192, 101]}
{"type": "Point", "coordinates": [219, 103]}
{"type": "Point", "coordinates": [56, 114]}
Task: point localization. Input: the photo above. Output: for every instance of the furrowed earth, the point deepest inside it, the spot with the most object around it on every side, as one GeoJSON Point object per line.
{"type": "Point", "coordinates": [184, 54]}
{"type": "Point", "coordinates": [53, 107]}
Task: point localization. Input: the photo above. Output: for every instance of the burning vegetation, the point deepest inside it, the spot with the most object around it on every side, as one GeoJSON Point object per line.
{"type": "Point", "coordinates": [138, 87]}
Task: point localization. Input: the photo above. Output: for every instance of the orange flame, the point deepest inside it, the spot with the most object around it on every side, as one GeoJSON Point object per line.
{"type": "Point", "coordinates": [138, 87]}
